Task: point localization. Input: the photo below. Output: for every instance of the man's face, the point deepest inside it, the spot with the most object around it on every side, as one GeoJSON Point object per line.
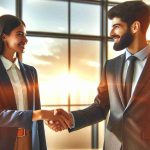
{"type": "Point", "coordinates": [121, 34]}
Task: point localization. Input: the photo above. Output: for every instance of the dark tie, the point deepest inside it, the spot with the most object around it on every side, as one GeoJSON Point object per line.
{"type": "Point", "coordinates": [129, 79]}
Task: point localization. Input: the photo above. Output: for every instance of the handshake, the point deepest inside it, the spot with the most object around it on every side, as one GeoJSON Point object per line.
{"type": "Point", "coordinates": [56, 120]}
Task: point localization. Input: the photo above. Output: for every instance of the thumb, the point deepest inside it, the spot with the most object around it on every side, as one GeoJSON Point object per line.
{"type": "Point", "coordinates": [55, 112]}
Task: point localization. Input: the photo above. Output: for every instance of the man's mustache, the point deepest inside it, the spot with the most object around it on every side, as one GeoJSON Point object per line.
{"type": "Point", "coordinates": [115, 36]}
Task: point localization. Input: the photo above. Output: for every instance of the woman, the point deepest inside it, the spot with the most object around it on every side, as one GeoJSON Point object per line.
{"type": "Point", "coordinates": [21, 125]}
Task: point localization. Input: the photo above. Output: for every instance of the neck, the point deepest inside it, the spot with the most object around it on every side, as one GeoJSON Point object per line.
{"type": "Point", "coordinates": [9, 56]}
{"type": "Point", "coordinates": [137, 44]}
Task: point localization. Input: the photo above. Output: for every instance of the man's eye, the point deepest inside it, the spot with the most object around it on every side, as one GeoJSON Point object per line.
{"type": "Point", "coordinates": [116, 26]}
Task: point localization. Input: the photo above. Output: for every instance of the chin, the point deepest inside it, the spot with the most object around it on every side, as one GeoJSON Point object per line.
{"type": "Point", "coordinates": [21, 51]}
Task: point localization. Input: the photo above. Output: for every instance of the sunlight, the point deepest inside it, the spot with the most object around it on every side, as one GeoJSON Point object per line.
{"type": "Point", "coordinates": [58, 87]}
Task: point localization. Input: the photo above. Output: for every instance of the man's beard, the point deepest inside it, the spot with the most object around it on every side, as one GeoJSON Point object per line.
{"type": "Point", "coordinates": [124, 42]}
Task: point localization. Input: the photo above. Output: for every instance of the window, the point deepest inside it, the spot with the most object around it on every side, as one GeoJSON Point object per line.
{"type": "Point", "coordinates": [45, 15]}
{"type": "Point", "coordinates": [66, 53]}
{"type": "Point", "coordinates": [7, 7]}
{"type": "Point", "coordinates": [50, 57]}
{"type": "Point", "coordinates": [88, 22]}
{"type": "Point", "coordinates": [85, 72]}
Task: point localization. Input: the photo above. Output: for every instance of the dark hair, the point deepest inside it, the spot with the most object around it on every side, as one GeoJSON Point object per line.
{"type": "Point", "coordinates": [7, 24]}
{"type": "Point", "coordinates": [131, 11]}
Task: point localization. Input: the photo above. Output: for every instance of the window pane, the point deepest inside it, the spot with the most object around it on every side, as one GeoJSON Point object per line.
{"type": "Point", "coordinates": [44, 15]}
{"type": "Point", "coordinates": [109, 22]}
{"type": "Point", "coordinates": [63, 140]}
{"type": "Point", "coordinates": [84, 71]}
{"type": "Point", "coordinates": [146, 1]}
{"type": "Point", "coordinates": [50, 57]}
{"type": "Point", "coordinates": [111, 52]}
{"type": "Point", "coordinates": [7, 7]}
{"type": "Point", "coordinates": [85, 19]}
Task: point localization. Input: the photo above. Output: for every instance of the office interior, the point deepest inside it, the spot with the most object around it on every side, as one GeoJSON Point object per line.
{"type": "Point", "coordinates": [68, 44]}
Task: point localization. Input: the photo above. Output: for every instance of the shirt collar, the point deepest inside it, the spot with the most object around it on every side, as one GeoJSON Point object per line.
{"type": "Point", "coordinates": [141, 55]}
{"type": "Point", "coordinates": [8, 64]}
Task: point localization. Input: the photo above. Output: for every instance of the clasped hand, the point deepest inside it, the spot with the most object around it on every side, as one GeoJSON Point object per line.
{"type": "Point", "coordinates": [59, 120]}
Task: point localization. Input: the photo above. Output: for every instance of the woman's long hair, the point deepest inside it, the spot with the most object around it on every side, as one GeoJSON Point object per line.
{"type": "Point", "coordinates": [7, 24]}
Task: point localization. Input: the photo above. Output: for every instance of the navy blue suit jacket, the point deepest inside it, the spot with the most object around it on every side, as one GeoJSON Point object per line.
{"type": "Point", "coordinates": [11, 119]}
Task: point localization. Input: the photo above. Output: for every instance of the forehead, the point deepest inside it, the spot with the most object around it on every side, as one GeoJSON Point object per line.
{"type": "Point", "coordinates": [118, 21]}
{"type": "Point", "coordinates": [20, 28]}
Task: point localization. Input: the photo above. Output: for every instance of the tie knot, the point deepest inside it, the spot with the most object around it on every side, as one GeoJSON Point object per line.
{"type": "Point", "coordinates": [132, 58]}
{"type": "Point", "coordinates": [13, 66]}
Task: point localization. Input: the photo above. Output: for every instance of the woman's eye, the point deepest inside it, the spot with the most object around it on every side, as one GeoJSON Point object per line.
{"type": "Point", "coordinates": [20, 34]}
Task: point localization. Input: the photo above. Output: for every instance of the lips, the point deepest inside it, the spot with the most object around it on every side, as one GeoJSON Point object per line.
{"type": "Point", "coordinates": [22, 45]}
{"type": "Point", "coordinates": [116, 38]}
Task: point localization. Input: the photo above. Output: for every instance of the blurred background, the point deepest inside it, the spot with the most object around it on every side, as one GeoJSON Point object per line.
{"type": "Point", "coordinates": [68, 44]}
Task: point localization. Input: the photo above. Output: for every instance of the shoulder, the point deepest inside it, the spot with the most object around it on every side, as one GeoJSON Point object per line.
{"type": "Point", "coordinates": [28, 67]}
{"type": "Point", "coordinates": [116, 59]}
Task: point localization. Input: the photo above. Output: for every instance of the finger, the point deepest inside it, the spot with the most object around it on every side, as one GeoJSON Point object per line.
{"type": "Point", "coordinates": [55, 112]}
{"type": "Point", "coordinates": [51, 122]}
{"type": "Point", "coordinates": [65, 122]}
{"type": "Point", "coordinates": [46, 122]}
{"type": "Point", "coordinates": [66, 114]}
{"type": "Point", "coordinates": [54, 127]}
{"type": "Point", "coordinates": [62, 122]}
{"type": "Point", "coordinates": [62, 112]}
{"type": "Point", "coordinates": [68, 122]}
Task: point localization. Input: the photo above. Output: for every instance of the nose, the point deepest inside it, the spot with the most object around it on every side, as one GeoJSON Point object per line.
{"type": "Point", "coordinates": [111, 32]}
{"type": "Point", "coordinates": [25, 40]}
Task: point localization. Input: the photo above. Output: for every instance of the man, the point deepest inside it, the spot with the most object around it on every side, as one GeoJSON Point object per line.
{"type": "Point", "coordinates": [127, 97]}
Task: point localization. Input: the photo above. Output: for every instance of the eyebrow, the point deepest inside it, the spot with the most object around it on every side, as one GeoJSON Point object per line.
{"type": "Point", "coordinates": [21, 32]}
{"type": "Point", "coordinates": [116, 24]}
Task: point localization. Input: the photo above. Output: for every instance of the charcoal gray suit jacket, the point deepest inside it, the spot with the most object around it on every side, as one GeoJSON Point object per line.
{"type": "Point", "coordinates": [128, 126]}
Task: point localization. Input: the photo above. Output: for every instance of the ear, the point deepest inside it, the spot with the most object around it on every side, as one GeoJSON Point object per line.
{"type": "Point", "coordinates": [135, 27]}
{"type": "Point", "coordinates": [4, 37]}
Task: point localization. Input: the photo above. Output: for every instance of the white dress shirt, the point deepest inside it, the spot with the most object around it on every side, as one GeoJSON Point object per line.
{"type": "Point", "coordinates": [139, 65]}
{"type": "Point", "coordinates": [17, 81]}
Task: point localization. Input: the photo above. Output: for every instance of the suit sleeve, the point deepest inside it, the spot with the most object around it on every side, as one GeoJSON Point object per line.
{"type": "Point", "coordinates": [15, 118]}
{"type": "Point", "coordinates": [97, 111]}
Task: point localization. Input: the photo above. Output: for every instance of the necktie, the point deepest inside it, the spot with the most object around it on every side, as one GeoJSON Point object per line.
{"type": "Point", "coordinates": [129, 79]}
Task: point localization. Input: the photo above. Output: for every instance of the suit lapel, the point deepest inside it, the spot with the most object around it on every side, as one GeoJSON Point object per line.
{"type": "Point", "coordinates": [144, 77]}
{"type": "Point", "coordinates": [7, 90]}
{"type": "Point", "coordinates": [28, 81]}
{"type": "Point", "coordinates": [119, 71]}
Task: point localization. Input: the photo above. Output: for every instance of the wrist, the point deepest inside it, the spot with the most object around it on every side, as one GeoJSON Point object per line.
{"type": "Point", "coordinates": [47, 114]}
{"type": "Point", "coordinates": [37, 115]}
{"type": "Point", "coordinates": [71, 119]}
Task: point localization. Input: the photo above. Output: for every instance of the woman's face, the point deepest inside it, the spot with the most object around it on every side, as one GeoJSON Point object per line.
{"type": "Point", "coordinates": [16, 40]}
